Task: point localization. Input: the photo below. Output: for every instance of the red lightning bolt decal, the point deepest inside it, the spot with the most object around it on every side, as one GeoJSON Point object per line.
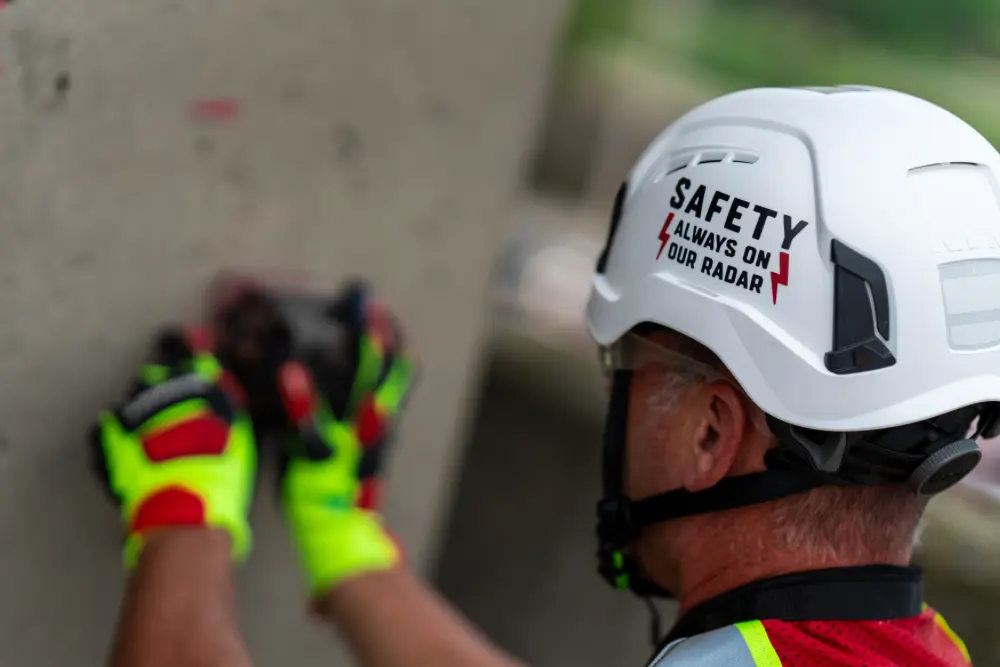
{"type": "Point", "coordinates": [779, 277]}
{"type": "Point", "coordinates": [664, 235]}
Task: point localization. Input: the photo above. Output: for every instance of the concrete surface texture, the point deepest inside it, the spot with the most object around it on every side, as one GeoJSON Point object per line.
{"type": "Point", "coordinates": [146, 146]}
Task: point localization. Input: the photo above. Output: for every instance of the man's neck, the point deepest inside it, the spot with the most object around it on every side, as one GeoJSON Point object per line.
{"type": "Point", "coordinates": [716, 556]}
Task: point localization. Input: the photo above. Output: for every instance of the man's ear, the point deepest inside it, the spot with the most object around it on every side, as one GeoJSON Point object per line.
{"type": "Point", "coordinates": [718, 437]}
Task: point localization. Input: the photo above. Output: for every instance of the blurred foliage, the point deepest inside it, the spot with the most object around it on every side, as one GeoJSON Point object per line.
{"type": "Point", "coordinates": [596, 23]}
{"type": "Point", "coordinates": [946, 52]}
{"type": "Point", "coordinates": [955, 26]}
{"type": "Point", "coordinates": [769, 47]}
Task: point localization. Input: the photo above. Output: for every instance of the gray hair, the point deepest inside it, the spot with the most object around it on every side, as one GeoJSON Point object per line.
{"type": "Point", "coordinates": [880, 523]}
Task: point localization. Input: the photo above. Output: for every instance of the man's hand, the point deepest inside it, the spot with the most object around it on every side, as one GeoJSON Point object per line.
{"type": "Point", "coordinates": [178, 451]}
{"type": "Point", "coordinates": [341, 417]}
{"type": "Point", "coordinates": [178, 457]}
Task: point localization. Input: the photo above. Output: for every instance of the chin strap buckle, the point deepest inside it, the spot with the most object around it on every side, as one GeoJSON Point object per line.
{"type": "Point", "coordinates": [614, 520]}
{"type": "Point", "coordinates": [614, 568]}
{"type": "Point", "coordinates": [615, 530]}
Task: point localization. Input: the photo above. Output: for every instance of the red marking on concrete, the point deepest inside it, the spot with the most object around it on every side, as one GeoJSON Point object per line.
{"type": "Point", "coordinates": [221, 109]}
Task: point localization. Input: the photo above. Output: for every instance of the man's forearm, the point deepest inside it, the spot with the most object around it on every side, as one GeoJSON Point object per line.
{"type": "Point", "coordinates": [180, 609]}
{"type": "Point", "coordinates": [391, 619]}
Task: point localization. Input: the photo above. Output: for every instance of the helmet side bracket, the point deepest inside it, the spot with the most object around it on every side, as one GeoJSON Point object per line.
{"type": "Point", "coordinates": [860, 314]}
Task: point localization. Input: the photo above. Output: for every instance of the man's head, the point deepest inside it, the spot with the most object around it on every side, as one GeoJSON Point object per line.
{"type": "Point", "coordinates": [830, 257]}
{"type": "Point", "coordinates": [690, 425]}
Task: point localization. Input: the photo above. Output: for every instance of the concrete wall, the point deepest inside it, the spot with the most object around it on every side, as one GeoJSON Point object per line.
{"type": "Point", "coordinates": [145, 145]}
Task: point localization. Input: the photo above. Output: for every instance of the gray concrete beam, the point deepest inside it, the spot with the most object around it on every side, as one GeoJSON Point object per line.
{"type": "Point", "coordinates": [143, 147]}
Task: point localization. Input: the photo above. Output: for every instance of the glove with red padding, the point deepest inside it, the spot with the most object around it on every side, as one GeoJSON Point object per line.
{"type": "Point", "coordinates": [179, 450]}
{"type": "Point", "coordinates": [341, 416]}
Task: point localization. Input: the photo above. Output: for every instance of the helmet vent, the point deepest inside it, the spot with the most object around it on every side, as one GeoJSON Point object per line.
{"type": "Point", "coordinates": [943, 165]}
{"type": "Point", "coordinates": [677, 164]}
{"type": "Point", "coordinates": [845, 88]}
{"type": "Point", "coordinates": [710, 157]}
{"type": "Point", "coordinates": [716, 156]}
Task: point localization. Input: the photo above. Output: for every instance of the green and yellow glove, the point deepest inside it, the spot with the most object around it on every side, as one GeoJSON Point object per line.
{"type": "Point", "coordinates": [179, 451]}
{"type": "Point", "coordinates": [341, 422]}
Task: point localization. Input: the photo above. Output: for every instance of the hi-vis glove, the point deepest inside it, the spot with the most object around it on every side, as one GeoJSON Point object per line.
{"type": "Point", "coordinates": [179, 451]}
{"type": "Point", "coordinates": [340, 426]}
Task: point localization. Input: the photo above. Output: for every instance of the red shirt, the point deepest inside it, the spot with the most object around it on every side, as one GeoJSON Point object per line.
{"type": "Point", "coordinates": [920, 641]}
{"type": "Point", "coordinates": [879, 621]}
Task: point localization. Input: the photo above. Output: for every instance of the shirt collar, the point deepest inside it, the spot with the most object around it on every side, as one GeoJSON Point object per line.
{"type": "Point", "coordinates": [866, 593]}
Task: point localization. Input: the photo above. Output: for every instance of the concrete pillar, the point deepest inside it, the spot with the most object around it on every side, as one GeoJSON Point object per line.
{"type": "Point", "coordinates": [143, 146]}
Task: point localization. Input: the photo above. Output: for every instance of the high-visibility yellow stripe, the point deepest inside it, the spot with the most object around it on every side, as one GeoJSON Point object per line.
{"type": "Point", "coordinates": [761, 650]}
{"type": "Point", "coordinates": [943, 624]}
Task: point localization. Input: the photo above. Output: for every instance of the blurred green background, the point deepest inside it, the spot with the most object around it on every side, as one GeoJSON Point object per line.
{"type": "Point", "coordinates": [947, 52]}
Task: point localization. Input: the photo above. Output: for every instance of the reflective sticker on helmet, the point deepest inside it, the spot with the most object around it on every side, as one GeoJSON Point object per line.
{"type": "Point", "coordinates": [706, 231]}
{"type": "Point", "coordinates": [971, 292]}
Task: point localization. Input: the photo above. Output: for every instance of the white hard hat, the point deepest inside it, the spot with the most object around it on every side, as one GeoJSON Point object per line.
{"type": "Point", "coordinates": [838, 249]}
